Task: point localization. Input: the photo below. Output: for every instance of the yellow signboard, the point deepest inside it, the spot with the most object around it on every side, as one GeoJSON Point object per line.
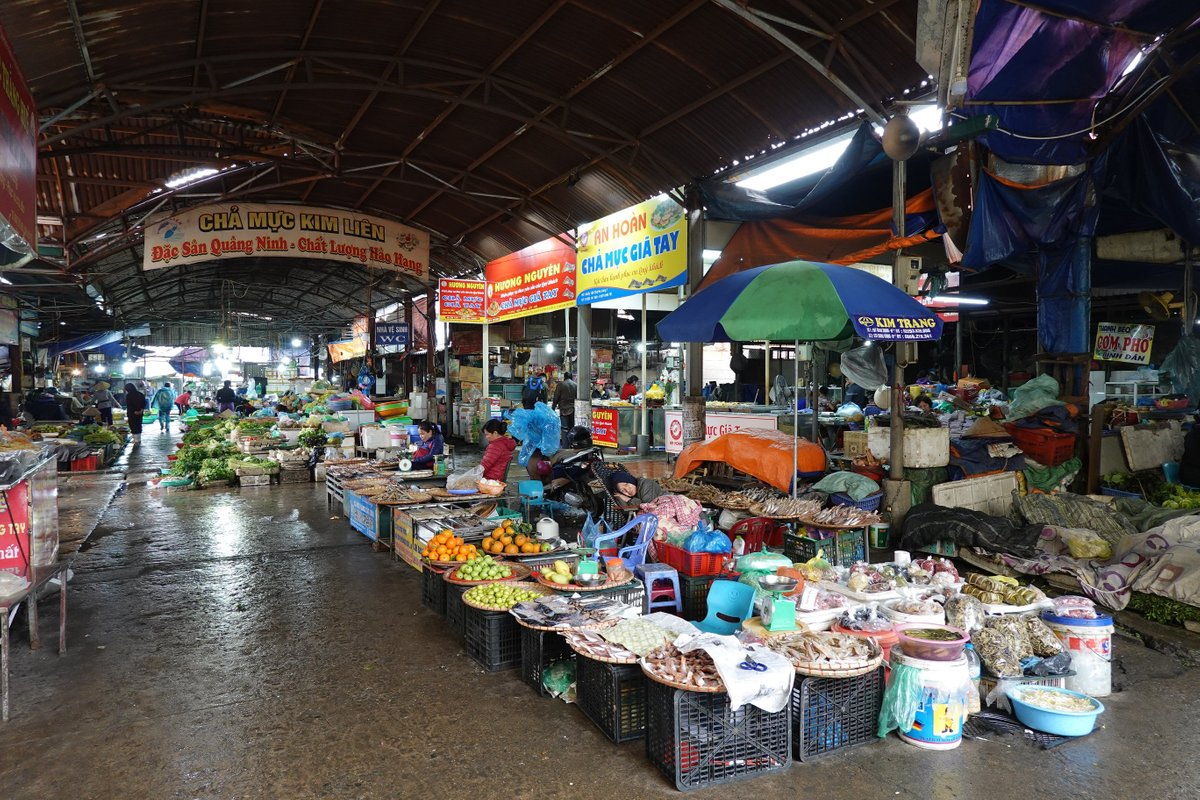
{"type": "Point", "coordinates": [640, 249]}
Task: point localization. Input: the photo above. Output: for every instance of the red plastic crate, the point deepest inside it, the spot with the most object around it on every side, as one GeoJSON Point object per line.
{"type": "Point", "coordinates": [86, 464]}
{"type": "Point", "coordinates": [691, 564]}
{"type": "Point", "coordinates": [1043, 445]}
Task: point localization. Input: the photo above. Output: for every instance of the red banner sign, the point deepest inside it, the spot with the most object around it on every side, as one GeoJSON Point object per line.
{"type": "Point", "coordinates": [18, 149]}
{"type": "Point", "coordinates": [604, 427]}
{"type": "Point", "coordinates": [14, 530]}
{"type": "Point", "coordinates": [461, 300]}
{"type": "Point", "coordinates": [537, 279]}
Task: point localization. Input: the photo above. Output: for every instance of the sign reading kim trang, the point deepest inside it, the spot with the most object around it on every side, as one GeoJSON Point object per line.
{"type": "Point", "coordinates": [898, 329]}
{"type": "Point", "coordinates": [241, 230]}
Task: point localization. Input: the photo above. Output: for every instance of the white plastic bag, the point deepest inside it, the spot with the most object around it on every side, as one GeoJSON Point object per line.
{"type": "Point", "coordinates": [465, 480]}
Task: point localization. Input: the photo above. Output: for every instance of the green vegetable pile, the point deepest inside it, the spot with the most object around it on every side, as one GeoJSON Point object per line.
{"type": "Point", "coordinates": [189, 460]}
{"type": "Point", "coordinates": [253, 462]}
{"type": "Point", "coordinates": [312, 437]}
{"type": "Point", "coordinates": [1163, 610]}
{"type": "Point", "coordinates": [101, 437]}
{"type": "Point", "coordinates": [215, 469]}
{"type": "Point", "coordinates": [253, 428]}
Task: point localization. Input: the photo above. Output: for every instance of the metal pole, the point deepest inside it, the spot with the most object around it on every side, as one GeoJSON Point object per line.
{"type": "Point", "coordinates": [643, 439]}
{"type": "Point", "coordinates": [487, 368]}
{"type": "Point", "coordinates": [796, 418]}
{"type": "Point", "coordinates": [958, 344]}
{"type": "Point", "coordinates": [766, 373]}
{"type": "Point", "coordinates": [567, 329]}
{"type": "Point", "coordinates": [896, 457]}
{"type": "Point", "coordinates": [583, 403]}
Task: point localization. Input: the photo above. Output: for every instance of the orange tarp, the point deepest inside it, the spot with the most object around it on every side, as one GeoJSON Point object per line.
{"type": "Point", "coordinates": [832, 240]}
{"type": "Point", "coordinates": [765, 454]}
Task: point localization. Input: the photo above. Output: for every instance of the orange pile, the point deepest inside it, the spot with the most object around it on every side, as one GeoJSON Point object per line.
{"type": "Point", "coordinates": [448, 547]}
{"type": "Point", "coordinates": [504, 541]}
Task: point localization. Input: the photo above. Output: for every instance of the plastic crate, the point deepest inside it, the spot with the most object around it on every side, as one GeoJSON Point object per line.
{"type": "Point", "coordinates": [686, 563]}
{"type": "Point", "coordinates": [613, 696]}
{"type": "Point", "coordinates": [86, 464]}
{"type": "Point", "coordinates": [695, 595]}
{"type": "Point", "coordinates": [632, 593]}
{"type": "Point", "coordinates": [492, 638]}
{"type": "Point", "coordinates": [433, 590]}
{"type": "Point", "coordinates": [1046, 447]}
{"type": "Point", "coordinates": [540, 649]}
{"type": "Point", "coordinates": [842, 549]}
{"type": "Point", "coordinates": [987, 683]}
{"type": "Point", "coordinates": [254, 480]}
{"type": "Point", "coordinates": [696, 739]}
{"type": "Point", "coordinates": [1110, 492]}
{"type": "Point", "coordinates": [834, 714]}
{"type": "Point", "coordinates": [869, 503]}
{"type": "Point", "coordinates": [456, 609]}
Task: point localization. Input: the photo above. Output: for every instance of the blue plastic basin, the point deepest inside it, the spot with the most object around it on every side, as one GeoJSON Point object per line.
{"type": "Point", "coordinates": [1059, 723]}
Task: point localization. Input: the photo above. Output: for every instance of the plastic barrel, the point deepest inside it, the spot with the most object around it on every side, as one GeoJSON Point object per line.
{"type": "Point", "coordinates": [1089, 642]}
{"type": "Point", "coordinates": [942, 707]}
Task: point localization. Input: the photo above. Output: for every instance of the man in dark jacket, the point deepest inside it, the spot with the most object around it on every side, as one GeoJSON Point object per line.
{"type": "Point", "coordinates": [564, 401]}
{"type": "Point", "coordinates": [135, 407]}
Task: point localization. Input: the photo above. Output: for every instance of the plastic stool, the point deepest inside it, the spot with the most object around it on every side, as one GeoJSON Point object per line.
{"type": "Point", "coordinates": [665, 597]}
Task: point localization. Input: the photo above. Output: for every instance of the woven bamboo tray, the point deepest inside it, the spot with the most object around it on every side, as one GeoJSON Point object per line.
{"type": "Point", "coordinates": [413, 498]}
{"type": "Point", "coordinates": [687, 687]}
{"type": "Point", "coordinates": [518, 584]}
{"type": "Point", "coordinates": [573, 587]}
{"type": "Point", "coordinates": [573, 639]}
{"type": "Point", "coordinates": [833, 669]}
{"type": "Point", "coordinates": [519, 572]}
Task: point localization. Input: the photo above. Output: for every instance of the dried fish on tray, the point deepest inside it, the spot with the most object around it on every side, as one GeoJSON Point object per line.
{"type": "Point", "coordinates": [785, 508]}
{"type": "Point", "coordinates": [398, 495]}
{"type": "Point", "coordinates": [829, 655]}
{"type": "Point", "coordinates": [841, 517]}
{"type": "Point", "coordinates": [596, 647]}
{"type": "Point", "coordinates": [677, 485]}
{"type": "Point", "coordinates": [694, 671]}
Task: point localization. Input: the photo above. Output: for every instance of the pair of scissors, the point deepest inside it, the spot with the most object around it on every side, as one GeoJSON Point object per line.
{"type": "Point", "coordinates": [752, 665]}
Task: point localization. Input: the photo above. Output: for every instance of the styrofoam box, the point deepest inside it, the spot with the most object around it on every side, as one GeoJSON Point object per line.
{"type": "Point", "coordinates": [923, 447]}
{"type": "Point", "coordinates": [375, 438]}
{"type": "Point", "coordinates": [991, 494]}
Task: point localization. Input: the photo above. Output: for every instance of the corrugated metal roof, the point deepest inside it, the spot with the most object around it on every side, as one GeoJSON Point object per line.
{"type": "Point", "coordinates": [487, 124]}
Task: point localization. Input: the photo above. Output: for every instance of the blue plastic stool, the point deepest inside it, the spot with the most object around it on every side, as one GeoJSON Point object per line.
{"type": "Point", "coordinates": [533, 500]}
{"type": "Point", "coordinates": [656, 598]}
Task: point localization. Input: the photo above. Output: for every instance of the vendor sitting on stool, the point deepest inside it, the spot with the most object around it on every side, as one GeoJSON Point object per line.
{"type": "Point", "coordinates": [631, 491]}
{"type": "Point", "coordinates": [432, 445]}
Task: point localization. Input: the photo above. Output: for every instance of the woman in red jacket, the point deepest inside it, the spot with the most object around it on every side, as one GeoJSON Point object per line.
{"type": "Point", "coordinates": [499, 450]}
{"type": "Point", "coordinates": [630, 388]}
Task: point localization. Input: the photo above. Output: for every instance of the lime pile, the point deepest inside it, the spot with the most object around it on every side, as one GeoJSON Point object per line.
{"type": "Point", "coordinates": [500, 595]}
{"type": "Point", "coordinates": [483, 568]}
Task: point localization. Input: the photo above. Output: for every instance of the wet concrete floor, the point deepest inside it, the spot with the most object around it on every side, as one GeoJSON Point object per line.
{"type": "Point", "coordinates": [243, 644]}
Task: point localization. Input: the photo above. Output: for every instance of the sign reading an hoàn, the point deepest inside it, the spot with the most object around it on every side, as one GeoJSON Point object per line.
{"type": "Point", "coordinates": [604, 427]}
{"type": "Point", "coordinates": [1129, 344]}
{"type": "Point", "coordinates": [640, 249]}
{"type": "Point", "coordinates": [241, 230]}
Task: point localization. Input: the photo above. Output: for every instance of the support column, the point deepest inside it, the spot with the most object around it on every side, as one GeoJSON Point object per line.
{"type": "Point", "coordinates": [643, 439]}
{"type": "Point", "coordinates": [583, 366]}
{"type": "Point", "coordinates": [693, 375]}
{"type": "Point", "coordinates": [408, 348]}
{"type": "Point", "coordinates": [896, 458]}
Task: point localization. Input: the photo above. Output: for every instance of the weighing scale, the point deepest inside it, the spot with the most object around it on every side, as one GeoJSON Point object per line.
{"type": "Point", "coordinates": [778, 613]}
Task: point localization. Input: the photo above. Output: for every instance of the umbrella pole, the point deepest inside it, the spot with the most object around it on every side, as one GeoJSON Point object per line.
{"type": "Point", "coordinates": [796, 420]}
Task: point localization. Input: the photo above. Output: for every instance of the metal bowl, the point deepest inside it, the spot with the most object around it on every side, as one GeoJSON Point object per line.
{"type": "Point", "coordinates": [590, 580]}
{"type": "Point", "coordinates": [778, 583]}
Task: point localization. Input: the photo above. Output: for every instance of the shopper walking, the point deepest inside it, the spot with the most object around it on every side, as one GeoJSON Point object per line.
{"type": "Point", "coordinates": [135, 407]}
{"type": "Point", "coordinates": [163, 402]}
{"type": "Point", "coordinates": [565, 394]}
{"type": "Point", "coordinates": [226, 398]}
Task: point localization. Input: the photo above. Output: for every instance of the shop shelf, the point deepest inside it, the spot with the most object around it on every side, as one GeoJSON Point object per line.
{"type": "Point", "coordinates": [492, 638]}
{"type": "Point", "coordinates": [540, 649]}
{"type": "Point", "coordinates": [696, 739]}
{"type": "Point", "coordinates": [834, 714]}
{"type": "Point", "coordinates": [613, 696]}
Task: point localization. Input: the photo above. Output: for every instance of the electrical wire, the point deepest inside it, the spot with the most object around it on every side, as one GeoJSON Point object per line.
{"type": "Point", "coordinates": [1089, 129]}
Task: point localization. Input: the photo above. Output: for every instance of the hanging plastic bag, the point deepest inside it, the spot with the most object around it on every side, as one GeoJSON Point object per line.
{"type": "Point", "coordinates": [900, 701]}
{"type": "Point", "coordinates": [465, 480]}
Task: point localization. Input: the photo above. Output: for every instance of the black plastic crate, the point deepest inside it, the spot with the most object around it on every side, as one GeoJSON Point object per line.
{"type": "Point", "coordinates": [695, 595]}
{"type": "Point", "coordinates": [833, 714]}
{"type": "Point", "coordinates": [613, 696]}
{"type": "Point", "coordinates": [456, 609]}
{"type": "Point", "coordinates": [492, 638]}
{"type": "Point", "coordinates": [696, 739]}
{"type": "Point", "coordinates": [540, 649]}
{"type": "Point", "coordinates": [433, 590]}
{"type": "Point", "coordinates": [841, 549]}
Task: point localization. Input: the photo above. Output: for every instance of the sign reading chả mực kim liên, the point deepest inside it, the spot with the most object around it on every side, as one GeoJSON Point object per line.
{"type": "Point", "coordinates": [1126, 343]}
{"type": "Point", "coordinates": [242, 230]}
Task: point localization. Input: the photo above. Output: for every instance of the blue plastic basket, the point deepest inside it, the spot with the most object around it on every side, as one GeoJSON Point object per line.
{"type": "Point", "coordinates": [869, 503]}
{"type": "Point", "coordinates": [1110, 492]}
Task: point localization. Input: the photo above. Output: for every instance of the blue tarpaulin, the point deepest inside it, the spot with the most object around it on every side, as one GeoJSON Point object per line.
{"type": "Point", "coordinates": [95, 341]}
